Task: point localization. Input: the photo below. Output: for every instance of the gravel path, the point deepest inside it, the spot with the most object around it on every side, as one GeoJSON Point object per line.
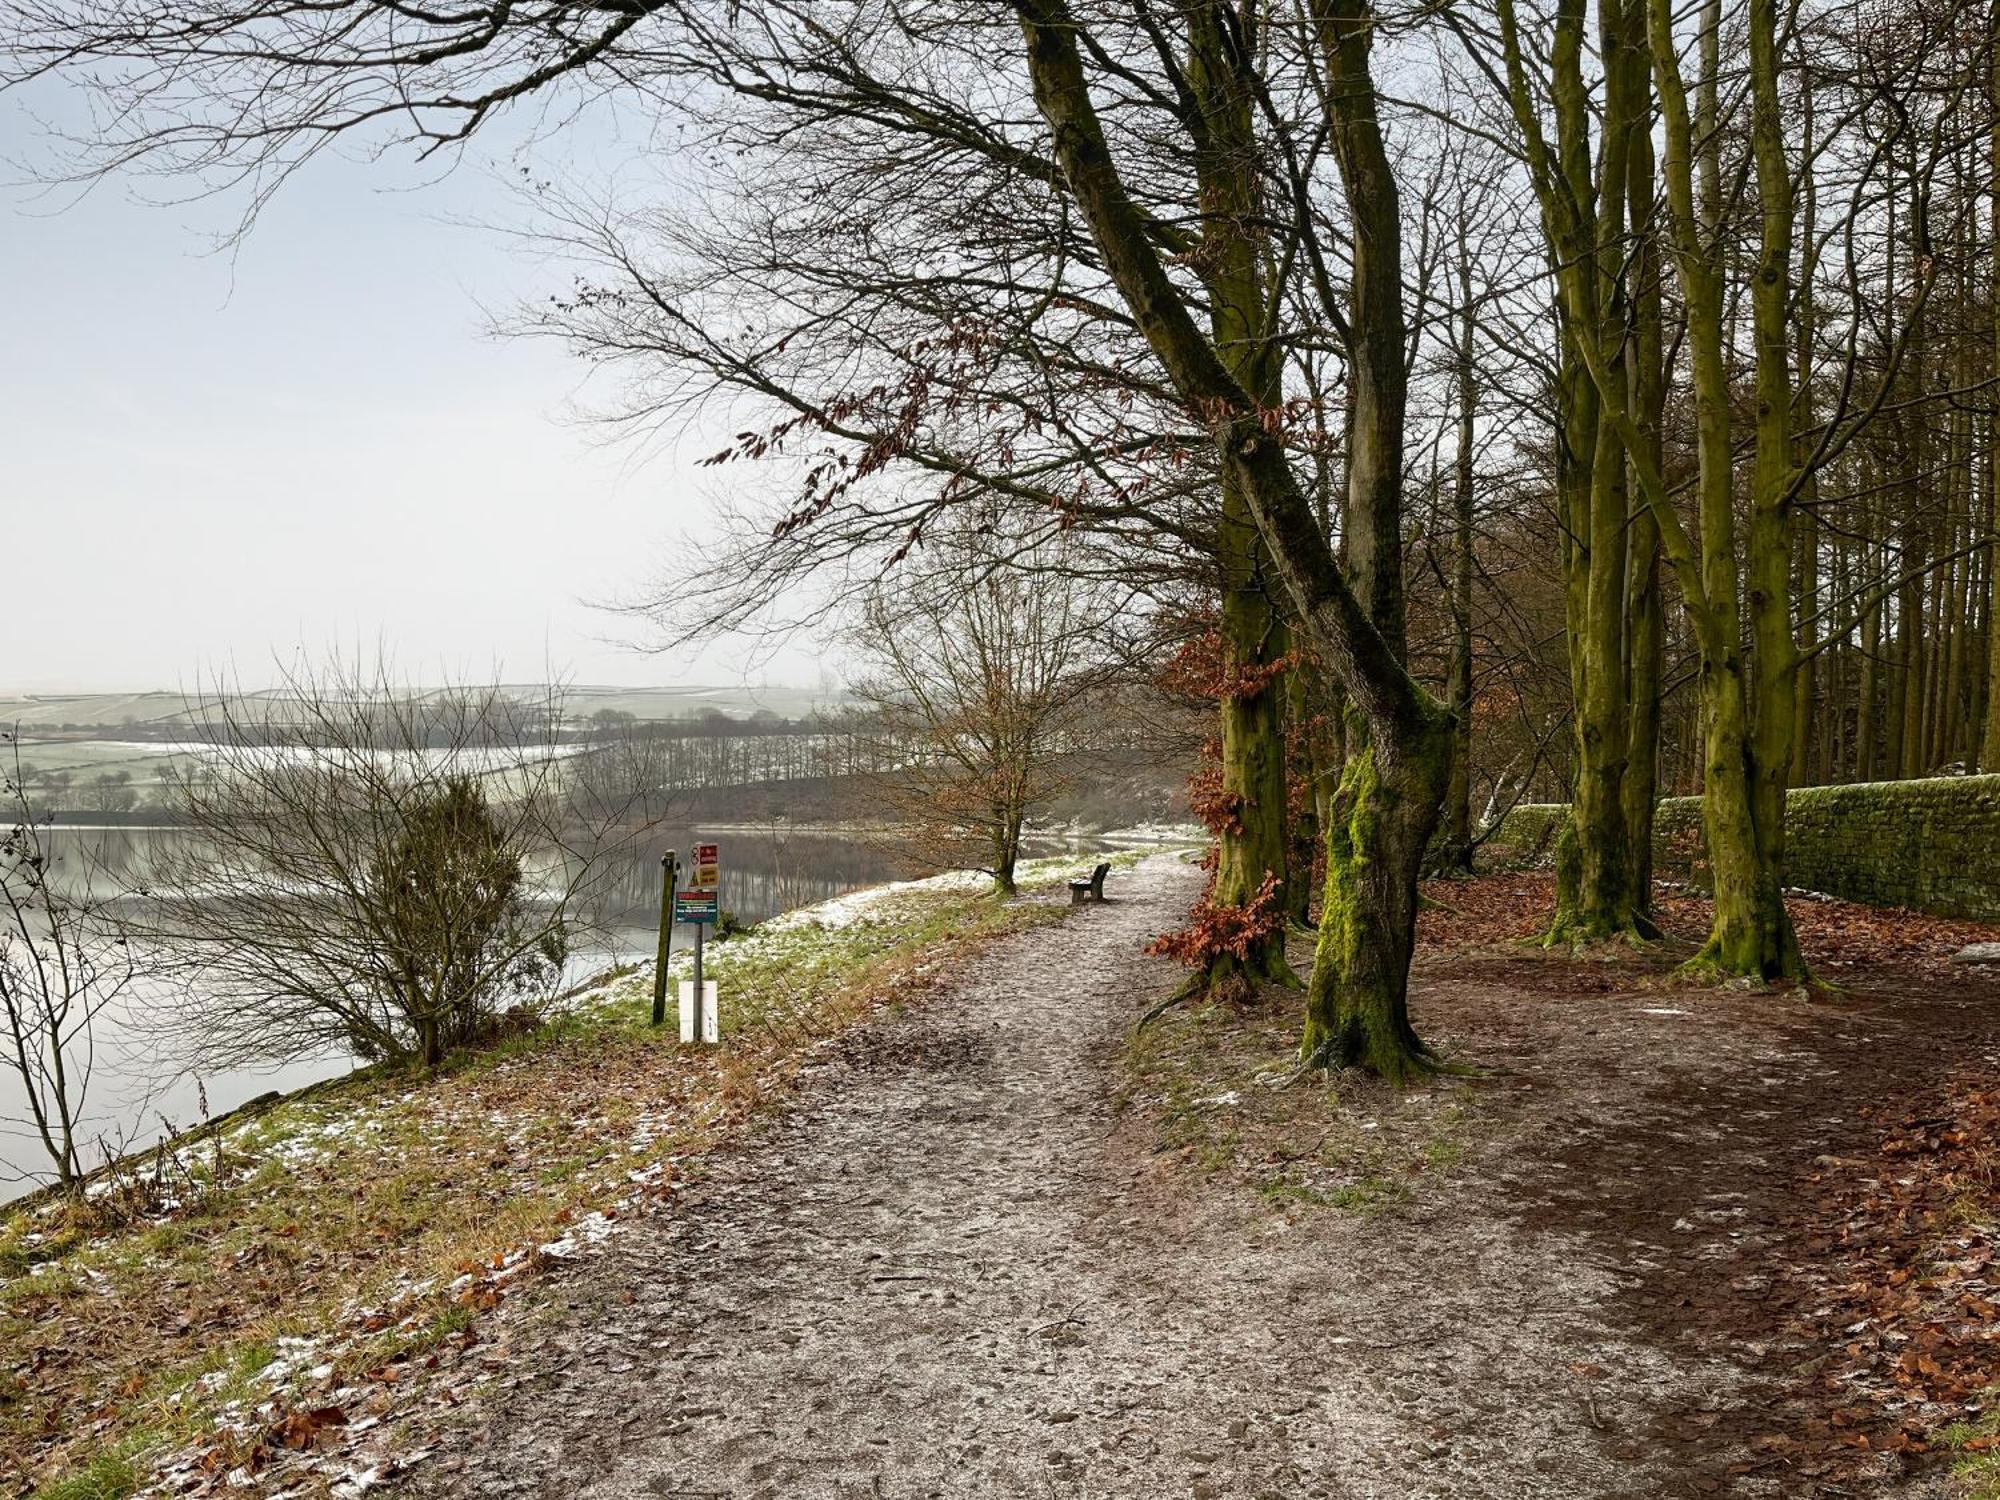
{"type": "Point", "coordinates": [951, 1273]}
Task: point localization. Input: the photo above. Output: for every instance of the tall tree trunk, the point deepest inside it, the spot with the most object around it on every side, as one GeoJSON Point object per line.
{"type": "Point", "coordinates": [1989, 752]}
{"type": "Point", "coordinates": [1458, 686]}
{"type": "Point", "coordinates": [1584, 217]}
{"type": "Point", "coordinates": [1752, 933]}
{"type": "Point", "coordinates": [1645, 613]}
{"type": "Point", "coordinates": [1398, 763]}
{"type": "Point", "coordinates": [1357, 1009]}
{"type": "Point", "coordinates": [1256, 845]}
{"type": "Point", "coordinates": [1805, 681]}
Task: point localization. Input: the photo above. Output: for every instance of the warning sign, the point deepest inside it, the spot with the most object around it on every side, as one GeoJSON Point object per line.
{"type": "Point", "coordinates": [707, 872]}
{"type": "Point", "coordinates": [699, 907]}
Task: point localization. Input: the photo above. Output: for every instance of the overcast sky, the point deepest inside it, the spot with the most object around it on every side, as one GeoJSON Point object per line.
{"type": "Point", "coordinates": [209, 458]}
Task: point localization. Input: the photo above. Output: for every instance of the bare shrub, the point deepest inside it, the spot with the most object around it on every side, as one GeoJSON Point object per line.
{"type": "Point", "coordinates": [64, 959]}
{"type": "Point", "coordinates": [372, 869]}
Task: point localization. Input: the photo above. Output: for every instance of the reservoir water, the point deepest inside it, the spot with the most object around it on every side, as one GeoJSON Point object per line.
{"type": "Point", "coordinates": [138, 1087]}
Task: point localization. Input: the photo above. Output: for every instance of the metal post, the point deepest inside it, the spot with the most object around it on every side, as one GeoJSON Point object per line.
{"type": "Point", "coordinates": [700, 1034]}
{"type": "Point", "coordinates": [669, 869]}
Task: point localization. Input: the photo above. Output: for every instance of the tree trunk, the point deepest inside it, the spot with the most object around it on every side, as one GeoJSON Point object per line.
{"type": "Point", "coordinates": [1006, 851]}
{"type": "Point", "coordinates": [1354, 627]}
{"type": "Point", "coordinates": [1383, 815]}
{"type": "Point", "coordinates": [1989, 752]}
{"type": "Point", "coordinates": [1751, 934]}
{"type": "Point", "coordinates": [1256, 844]}
{"type": "Point", "coordinates": [1399, 760]}
{"type": "Point", "coordinates": [1458, 685]}
{"type": "Point", "coordinates": [1752, 721]}
{"type": "Point", "coordinates": [1645, 616]}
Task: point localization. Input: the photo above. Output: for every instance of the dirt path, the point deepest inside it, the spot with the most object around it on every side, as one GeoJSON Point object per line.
{"type": "Point", "coordinates": [953, 1272]}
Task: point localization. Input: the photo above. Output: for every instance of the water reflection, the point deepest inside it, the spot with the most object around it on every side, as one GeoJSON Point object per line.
{"type": "Point", "coordinates": [137, 1085]}
{"type": "Point", "coordinates": [764, 871]}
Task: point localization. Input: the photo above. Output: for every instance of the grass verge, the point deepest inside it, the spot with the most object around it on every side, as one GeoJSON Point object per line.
{"type": "Point", "coordinates": [306, 1271]}
{"type": "Point", "coordinates": [1199, 1080]}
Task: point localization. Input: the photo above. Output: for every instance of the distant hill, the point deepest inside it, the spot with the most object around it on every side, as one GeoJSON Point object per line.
{"type": "Point", "coordinates": [153, 712]}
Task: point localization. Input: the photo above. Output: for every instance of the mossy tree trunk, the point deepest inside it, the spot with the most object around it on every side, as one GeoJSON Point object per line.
{"type": "Point", "coordinates": [1751, 933]}
{"type": "Point", "coordinates": [1583, 196]}
{"type": "Point", "coordinates": [1381, 820]}
{"type": "Point", "coordinates": [1255, 845]}
{"type": "Point", "coordinates": [1400, 749]}
{"type": "Point", "coordinates": [1746, 675]}
{"type": "Point", "coordinates": [1747, 678]}
{"type": "Point", "coordinates": [1354, 627]}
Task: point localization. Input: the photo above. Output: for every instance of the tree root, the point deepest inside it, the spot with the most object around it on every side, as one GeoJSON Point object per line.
{"type": "Point", "coordinates": [1194, 984]}
{"type": "Point", "coordinates": [1322, 1057]}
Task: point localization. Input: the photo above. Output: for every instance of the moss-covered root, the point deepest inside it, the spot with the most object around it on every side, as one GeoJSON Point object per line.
{"type": "Point", "coordinates": [1596, 903]}
{"type": "Point", "coordinates": [1759, 945]}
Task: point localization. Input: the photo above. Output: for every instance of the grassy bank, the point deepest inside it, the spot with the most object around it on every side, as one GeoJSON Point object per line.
{"type": "Point", "coordinates": [241, 1310]}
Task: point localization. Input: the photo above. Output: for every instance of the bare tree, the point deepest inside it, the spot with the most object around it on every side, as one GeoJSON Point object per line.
{"type": "Point", "coordinates": [372, 869]}
{"type": "Point", "coordinates": [625, 774]}
{"type": "Point", "coordinates": [64, 959]}
{"type": "Point", "coordinates": [112, 792]}
{"type": "Point", "coordinates": [980, 668]}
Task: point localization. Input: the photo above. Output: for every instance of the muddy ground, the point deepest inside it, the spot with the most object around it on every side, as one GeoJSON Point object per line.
{"type": "Point", "coordinates": [985, 1258]}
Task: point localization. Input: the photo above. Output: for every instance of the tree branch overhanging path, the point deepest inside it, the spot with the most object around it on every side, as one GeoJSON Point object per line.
{"type": "Point", "coordinates": [252, 93]}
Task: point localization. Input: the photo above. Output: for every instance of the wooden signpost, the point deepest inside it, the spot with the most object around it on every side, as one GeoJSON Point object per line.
{"type": "Point", "coordinates": [669, 870]}
{"type": "Point", "coordinates": [699, 904]}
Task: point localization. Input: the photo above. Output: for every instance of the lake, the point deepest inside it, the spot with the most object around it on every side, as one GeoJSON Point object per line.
{"type": "Point", "coordinates": [134, 1088]}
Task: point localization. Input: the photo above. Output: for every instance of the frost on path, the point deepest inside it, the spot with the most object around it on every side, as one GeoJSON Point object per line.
{"type": "Point", "coordinates": [949, 1274]}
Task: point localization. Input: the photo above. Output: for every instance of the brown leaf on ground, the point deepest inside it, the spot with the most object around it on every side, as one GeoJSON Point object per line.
{"type": "Point", "coordinates": [301, 1429]}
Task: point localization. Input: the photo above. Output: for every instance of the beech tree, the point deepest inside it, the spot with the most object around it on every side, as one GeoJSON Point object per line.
{"type": "Point", "coordinates": [1597, 207]}
{"type": "Point", "coordinates": [1735, 550]}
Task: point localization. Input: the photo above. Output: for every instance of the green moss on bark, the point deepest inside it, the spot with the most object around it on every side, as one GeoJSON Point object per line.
{"type": "Point", "coordinates": [1383, 814]}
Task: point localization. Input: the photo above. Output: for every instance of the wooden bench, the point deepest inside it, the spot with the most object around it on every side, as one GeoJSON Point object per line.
{"type": "Point", "coordinates": [1089, 887]}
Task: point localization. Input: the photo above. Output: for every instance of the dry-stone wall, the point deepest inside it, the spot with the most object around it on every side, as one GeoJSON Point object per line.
{"type": "Point", "coordinates": [1933, 844]}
